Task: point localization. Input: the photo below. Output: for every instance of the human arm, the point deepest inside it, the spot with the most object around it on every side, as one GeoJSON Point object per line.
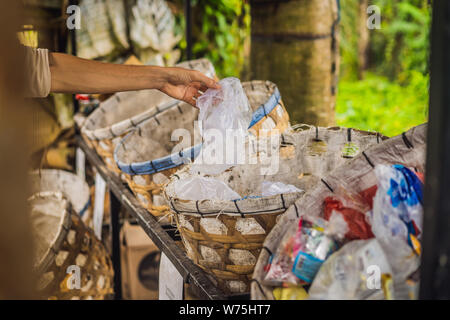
{"type": "Point", "coordinates": [71, 74]}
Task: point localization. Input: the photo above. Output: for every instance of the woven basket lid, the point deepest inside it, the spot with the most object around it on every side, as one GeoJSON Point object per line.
{"type": "Point", "coordinates": [148, 149]}
{"type": "Point", "coordinates": [125, 110]}
{"type": "Point", "coordinates": [408, 149]}
{"type": "Point", "coordinates": [50, 222]}
{"type": "Point", "coordinates": [305, 156]}
{"type": "Point", "coordinates": [75, 189]}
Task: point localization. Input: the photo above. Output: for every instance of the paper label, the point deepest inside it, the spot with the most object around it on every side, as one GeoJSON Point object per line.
{"type": "Point", "coordinates": [100, 189]}
{"type": "Point", "coordinates": [80, 161]}
{"type": "Point", "coordinates": [171, 284]}
{"type": "Point", "coordinates": [306, 266]}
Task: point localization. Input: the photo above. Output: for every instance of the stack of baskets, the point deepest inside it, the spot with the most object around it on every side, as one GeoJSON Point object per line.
{"type": "Point", "coordinates": [225, 238]}
{"type": "Point", "coordinates": [147, 157]}
{"type": "Point", "coordinates": [408, 149]}
{"type": "Point", "coordinates": [75, 189]}
{"type": "Point", "coordinates": [70, 262]}
{"type": "Point", "coordinates": [122, 112]}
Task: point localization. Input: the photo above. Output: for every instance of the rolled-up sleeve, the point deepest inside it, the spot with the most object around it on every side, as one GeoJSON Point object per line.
{"type": "Point", "coordinates": [38, 75]}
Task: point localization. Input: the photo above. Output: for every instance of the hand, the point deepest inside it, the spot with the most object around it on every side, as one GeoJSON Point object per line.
{"type": "Point", "coordinates": [186, 85]}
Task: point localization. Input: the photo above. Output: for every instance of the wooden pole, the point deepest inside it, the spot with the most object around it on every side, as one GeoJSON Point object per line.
{"type": "Point", "coordinates": [295, 44]}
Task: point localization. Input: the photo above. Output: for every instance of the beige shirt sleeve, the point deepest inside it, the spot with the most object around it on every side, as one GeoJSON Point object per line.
{"type": "Point", "coordinates": [38, 75]}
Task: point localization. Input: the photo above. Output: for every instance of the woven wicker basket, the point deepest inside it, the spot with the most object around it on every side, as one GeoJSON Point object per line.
{"type": "Point", "coordinates": [62, 241]}
{"type": "Point", "coordinates": [226, 237]}
{"type": "Point", "coordinates": [122, 112]}
{"type": "Point", "coordinates": [75, 189]}
{"type": "Point", "coordinates": [145, 155]}
{"type": "Point", "coordinates": [408, 149]}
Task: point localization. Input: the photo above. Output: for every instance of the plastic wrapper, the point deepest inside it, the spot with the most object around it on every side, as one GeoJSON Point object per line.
{"type": "Point", "coordinates": [202, 188]}
{"type": "Point", "coordinates": [396, 217]}
{"type": "Point", "coordinates": [224, 116]}
{"type": "Point", "coordinates": [357, 271]}
{"type": "Point", "coordinates": [353, 208]}
{"type": "Point", "coordinates": [300, 256]}
{"type": "Point", "coordinates": [358, 227]}
{"type": "Point", "coordinates": [270, 188]}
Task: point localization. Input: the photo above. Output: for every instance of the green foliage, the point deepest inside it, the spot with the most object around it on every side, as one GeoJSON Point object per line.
{"type": "Point", "coordinates": [378, 104]}
{"type": "Point", "coordinates": [220, 28]}
{"type": "Point", "coordinates": [349, 39]}
{"type": "Point", "coordinates": [394, 95]}
{"type": "Point", "coordinates": [402, 44]}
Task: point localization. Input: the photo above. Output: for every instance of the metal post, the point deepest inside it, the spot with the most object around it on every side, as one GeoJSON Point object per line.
{"type": "Point", "coordinates": [188, 18]}
{"type": "Point", "coordinates": [435, 268]}
{"type": "Point", "coordinates": [115, 237]}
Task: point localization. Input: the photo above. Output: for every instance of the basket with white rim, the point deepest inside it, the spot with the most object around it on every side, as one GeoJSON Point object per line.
{"type": "Point", "coordinates": [122, 112]}
{"type": "Point", "coordinates": [75, 189]}
{"type": "Point", "coordinates": [225, 237]}
{"type": "Point", "coordinates": [147, 158]}
{"type": "Point", "coordinates": [357, 175]}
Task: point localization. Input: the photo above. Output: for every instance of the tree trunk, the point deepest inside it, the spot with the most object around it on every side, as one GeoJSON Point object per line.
{"type": "Point", "coordinates": [295, 45]}
{"type": "Point", "coordinates": [363, 38]}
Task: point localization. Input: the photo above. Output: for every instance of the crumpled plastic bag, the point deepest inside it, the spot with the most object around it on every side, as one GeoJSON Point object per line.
{"type": "Point", "coordinates": [269, 188]}
{"type": "Point", "coordinates": [203, 188]}
{"type": "Point", "coordinates": [224, 113]}
{"type": "Point", "coordinates": [396, 217]}
{"type": "Point", "coordinates": [358, 228]}
{"type": "Point", "coordinates": [356, 271]}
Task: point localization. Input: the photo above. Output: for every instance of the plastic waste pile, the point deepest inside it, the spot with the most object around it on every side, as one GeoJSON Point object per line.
{"type": "Point", "coordinates": [362, 246]}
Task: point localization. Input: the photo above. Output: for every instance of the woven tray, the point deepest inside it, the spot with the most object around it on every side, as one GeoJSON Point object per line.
{"type": "Point", "coordinates": [226, 237]}
{"type": "Point", "coordinates": [62, 241]}
{"type": "Point", "coordinates": [408, 149]}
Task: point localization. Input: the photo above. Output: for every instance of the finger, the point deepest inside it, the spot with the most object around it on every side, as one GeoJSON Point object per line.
{"type": "Point", "coordinates": [197, 94]}
{"type": "Point", "coordinates": [204, 80]}
{"type": "Point", "coordinates": [199, 88]}
{"type": "Point", "coordinates": [190, 94]}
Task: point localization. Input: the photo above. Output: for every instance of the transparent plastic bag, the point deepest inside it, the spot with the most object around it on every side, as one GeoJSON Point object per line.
{"type": "Point", "coordinates": [224, 116]}
{"type": "Point", "coordinates": [353, 272]}
{"type": "Point", "coordinates": [203, 188]}
{"type": "Point", "coordinates": [269, 188]}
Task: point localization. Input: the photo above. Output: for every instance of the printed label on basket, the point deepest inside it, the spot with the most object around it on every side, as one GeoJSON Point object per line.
{"type": "Point", "coordinates": [171, 284]}
{"type": "Point", "coordinates": [306, 266]}
{"type": "Point", "coordinates": [100, 189]}
{"type": "Point", "coordinates": [80, 161]}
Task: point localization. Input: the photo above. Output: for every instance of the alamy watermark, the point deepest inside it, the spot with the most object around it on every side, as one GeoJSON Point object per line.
{"type": "Point", "coordinates": [74, 19]}
{"type": "Point", "coordinates": [74, 280]}
{"type": "Point", "coordinates": [373, 281]}
{"type": "Point", "coordinates": [374, 18]}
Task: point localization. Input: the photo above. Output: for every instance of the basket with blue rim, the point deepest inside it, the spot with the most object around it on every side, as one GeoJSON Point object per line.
{"type": "Point", "coordinates": [148, 155]}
